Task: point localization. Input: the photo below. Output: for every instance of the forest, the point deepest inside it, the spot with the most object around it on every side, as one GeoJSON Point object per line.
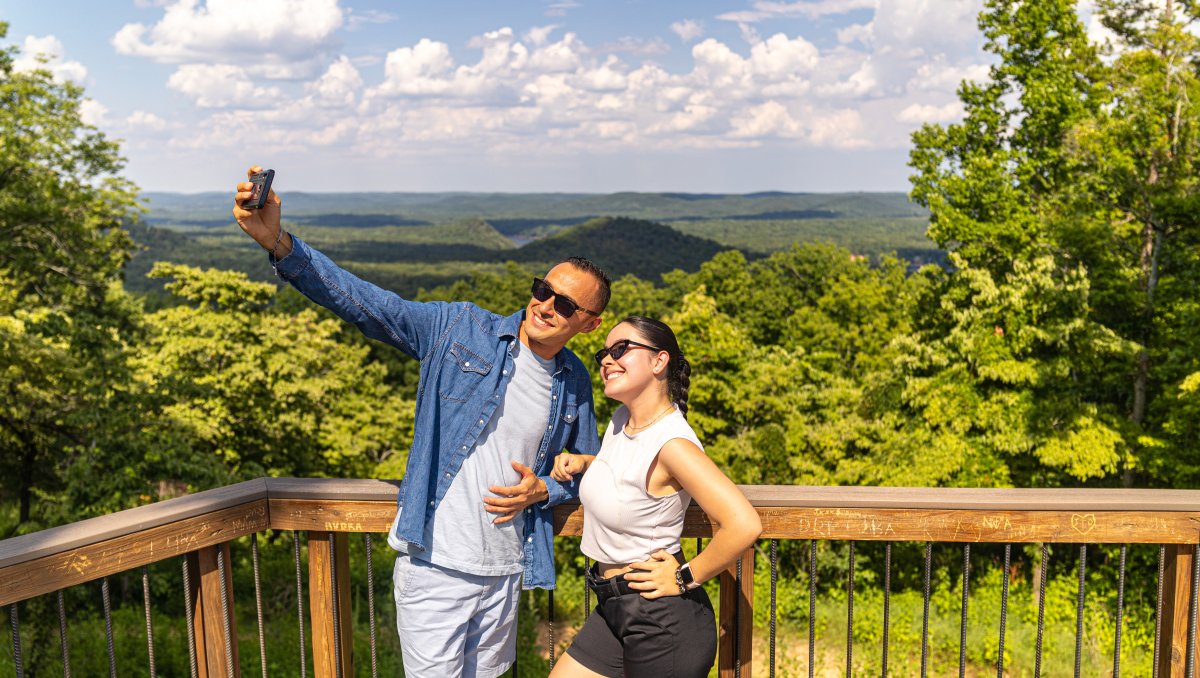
{"type": "Point", "coordinates": [1054, 341]}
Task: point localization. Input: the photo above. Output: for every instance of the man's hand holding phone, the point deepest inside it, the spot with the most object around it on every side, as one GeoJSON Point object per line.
{"type": "Point", "coordinates": [257, 208]}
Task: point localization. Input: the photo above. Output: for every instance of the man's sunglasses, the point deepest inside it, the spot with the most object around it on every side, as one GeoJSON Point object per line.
{"type": "Point", "coordinates": [619, 348]}
{"type": "Point", "coordinates": [564, 306]}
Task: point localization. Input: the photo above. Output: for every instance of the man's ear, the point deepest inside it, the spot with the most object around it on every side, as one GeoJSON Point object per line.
{"type": "Point", "coordinates": [592, 324]}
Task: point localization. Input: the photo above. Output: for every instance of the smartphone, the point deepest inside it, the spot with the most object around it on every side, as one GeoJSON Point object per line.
{"type": "Point", "coordinates": [262, 188]}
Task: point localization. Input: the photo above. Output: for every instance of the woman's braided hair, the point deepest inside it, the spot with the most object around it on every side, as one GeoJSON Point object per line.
{"type": "Point", "coordinates": [679, 370]}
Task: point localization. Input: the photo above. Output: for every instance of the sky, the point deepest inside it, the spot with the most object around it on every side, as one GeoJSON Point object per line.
{"type": "Point", "coordinates": [725, 96]}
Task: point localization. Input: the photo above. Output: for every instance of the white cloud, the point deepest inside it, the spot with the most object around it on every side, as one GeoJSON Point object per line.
{"type": "Point", "coordinates": [923, 113]}
{"type": "Point", "coordinates": [526, 92]}
{"type": "Point", "coordinates": [46, 53]}
{"type": "Point", "coordinates": [540, 35]}
{"type": "Point", "coordinates": [842, 129]}
{"type": "Point", "coordinates": [770, 119]}
{"type": "Point", "coordinates": [231, 31]}
{"type": "Point", "coordinates": [222, 86]}
{"type": "Point", "coordinates": [779, 57]}
{"type": "Point", "coordinates": [636, 46]}
{"type": "Point", "coordinates": [561, 8]}
{"type": "Point", "coordinates": [418, 69]}
{"type": "Point", "coordinates": [339, 86]}
{"type": "Point", "coordinates": [926, 26]}
{"type": "Point", "coordinates": [812, 9]}
{"type": "Point", "coordinates": [688, 30]}
{"type": "Point", "coordinates": [860, 33]}
{"type": "Point", "coordinates": [144, 121]}
{"type": "Point", "coordinates": [92, 112]}
{"type": "Point", "coordinates": [360, 18]}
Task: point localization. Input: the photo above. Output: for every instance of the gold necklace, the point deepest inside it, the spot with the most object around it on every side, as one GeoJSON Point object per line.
{"type": "Point", "coordinates": [653, 421]}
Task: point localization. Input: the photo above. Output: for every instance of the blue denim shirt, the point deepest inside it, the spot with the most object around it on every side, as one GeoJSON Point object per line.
{"type": "Point", "coordinates": [465, 367]}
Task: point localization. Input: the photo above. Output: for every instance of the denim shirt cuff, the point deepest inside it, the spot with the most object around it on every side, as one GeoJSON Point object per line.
{"type": "Point", "coordinates": [295, 263]}
{"type": "Point", "coordinates": [559, 492]}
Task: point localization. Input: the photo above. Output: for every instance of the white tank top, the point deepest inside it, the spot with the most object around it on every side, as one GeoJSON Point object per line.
{"type": "Point", "coordinates": [622, 521]}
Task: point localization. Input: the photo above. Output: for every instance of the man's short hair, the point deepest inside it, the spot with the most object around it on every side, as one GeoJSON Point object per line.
{"type": "Point", "coordinates": [586, 265]}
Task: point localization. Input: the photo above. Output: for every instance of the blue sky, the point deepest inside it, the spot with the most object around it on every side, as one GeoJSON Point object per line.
{"type": "Point", "coordinates": [533, 96]}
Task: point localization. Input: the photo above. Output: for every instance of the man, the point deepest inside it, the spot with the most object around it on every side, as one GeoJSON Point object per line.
{"type": "Point", "coordinates": [498, 398]}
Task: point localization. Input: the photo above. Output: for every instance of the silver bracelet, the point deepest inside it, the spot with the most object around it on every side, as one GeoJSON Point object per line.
{"type": "Point", "coordinates": [275, 250]}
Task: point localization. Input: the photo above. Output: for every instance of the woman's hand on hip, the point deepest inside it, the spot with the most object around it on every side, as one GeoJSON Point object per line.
{"type": "Point", "coordinates": [655, 578]}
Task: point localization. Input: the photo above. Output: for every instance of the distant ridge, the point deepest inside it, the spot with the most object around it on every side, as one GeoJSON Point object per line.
{"type": "Point", "coordinates": [622, 245]}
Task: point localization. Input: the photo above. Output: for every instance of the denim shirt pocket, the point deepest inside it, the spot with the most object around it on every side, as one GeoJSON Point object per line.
{"type": "Point", "coordinates": [568, 417]}
{"type": "Point", "coordinates": [462, 374]}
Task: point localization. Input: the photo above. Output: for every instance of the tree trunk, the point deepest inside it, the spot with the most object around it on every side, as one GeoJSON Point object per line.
{"type": "Point", "coordinates": [25, 491]}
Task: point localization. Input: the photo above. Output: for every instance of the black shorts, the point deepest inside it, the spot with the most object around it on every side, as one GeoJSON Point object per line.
{"type": "Point", "coordinates": [669, 637]}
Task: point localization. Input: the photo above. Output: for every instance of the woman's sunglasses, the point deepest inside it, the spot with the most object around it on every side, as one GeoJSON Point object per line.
{"type": "Point", "coordinates": [619, 348]}
{"type": "Point", "coordinates": [564, 306]}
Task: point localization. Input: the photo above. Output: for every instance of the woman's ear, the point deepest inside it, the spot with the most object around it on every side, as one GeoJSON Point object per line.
{"type": "Point", "coordinates": [660, 362]}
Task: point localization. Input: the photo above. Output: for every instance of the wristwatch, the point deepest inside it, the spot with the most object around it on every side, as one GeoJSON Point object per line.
{"type": "Point", "coordinates": [684, 578]}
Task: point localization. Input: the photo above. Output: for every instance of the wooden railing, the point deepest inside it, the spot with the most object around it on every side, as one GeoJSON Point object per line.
{"type": "Point", "coordinates": [200, 527]}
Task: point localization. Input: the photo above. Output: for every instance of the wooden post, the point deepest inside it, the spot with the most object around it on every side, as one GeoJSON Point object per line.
{"type": "Point", "coordinates": [737, 619]}
{"type": "Point", "coordinates": [1176, 608]}
{"type": "Point", "coordinates": [212, 658]}
{"type": "Point", "coordinates": [320, 603]}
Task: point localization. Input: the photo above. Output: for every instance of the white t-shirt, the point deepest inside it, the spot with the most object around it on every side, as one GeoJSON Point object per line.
{"type": "Point", "coordinates": [622, 521]}
{"type": "Point", "coordinates": [461, 535]}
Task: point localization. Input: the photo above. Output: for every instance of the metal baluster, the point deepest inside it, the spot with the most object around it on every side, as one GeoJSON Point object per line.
{"type": "Point", "coordinates": [149, 626]}
{"type": "Point", "coordinates": [550, 621]}
{"type": "Point", "coordinates": [1162, 562]}
{"type": "Point", "coordinates": [1003, 610]}
{"type": "Point", "coordinates": [925, 614]}
{"type": "Point", "coordinates": [812, 607]}
{"type": "Point", "coordinates": [258, 610]}
{"type": "Point", "coordinates": [1190, 666]}
{"type": "Point", "coordinates": [191, 621]}
{"type": "Point", "coordinates": [1041, 617]}
{"type": "Point", "coordinates": [108, 632]}
{"type": "Point", "coordinates": [1120, 614]}
{"type": "Point", "coordinates": [962, 640]}
{"type": "Point", "coordinates": [587, 590]}
{"type": "Point", "coordinates": [16, 639]}
{"type": "Point", "coordinates": [371, 604]}
{"type": "Point", "coordinates": [887, 602]}
{"type": "Point", "coordinates": [225, 610]}
{"type": "Point", "coordinates": [737, 624]}
{"type": "Point", "coordinates": [299, 603]}
{"type": "Point", "coordinates": [850, 615]}
{"type": "Point", "coordinates": [62, 635]}
{"type": "Point", "coordinates": [337, 617]}
{"type": "Point", "coordinates": [1079, 609]}
{"type": "Point", "coordinates": [774, 586]}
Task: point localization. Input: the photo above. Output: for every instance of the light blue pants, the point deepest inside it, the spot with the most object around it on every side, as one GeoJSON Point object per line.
{"type": "Point", "coordinates": [452, 623]}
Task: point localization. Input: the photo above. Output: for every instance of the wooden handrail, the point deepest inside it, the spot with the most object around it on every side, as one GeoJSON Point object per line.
{"type": "Point", "coordinates": [57, 558]}
{"type": "Point", "coordinates": [45, 561]}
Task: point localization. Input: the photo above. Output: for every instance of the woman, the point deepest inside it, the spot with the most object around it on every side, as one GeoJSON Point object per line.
{"type": "Point", "coordinates": [651, 618]}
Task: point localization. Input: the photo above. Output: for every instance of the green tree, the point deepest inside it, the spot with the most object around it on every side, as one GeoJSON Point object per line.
{"type": "Point", "coordinates": [244, 392]}
{"type": "Point", "coordinates": [1087, 156]}
{"type": "Point", "coordinates": [63, 317]}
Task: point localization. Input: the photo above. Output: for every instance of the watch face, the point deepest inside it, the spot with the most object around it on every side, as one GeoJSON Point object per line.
{"type": "Point", "coordinates": [685, 573]}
